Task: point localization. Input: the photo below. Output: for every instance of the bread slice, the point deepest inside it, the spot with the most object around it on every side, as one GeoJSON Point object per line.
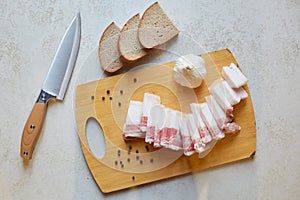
{"type": "Point", "coordinates": [129, 44]}
{"type": "Point", "coordinates": [109, 55]}
{"type": "Point", "coordinates": [155, 27]}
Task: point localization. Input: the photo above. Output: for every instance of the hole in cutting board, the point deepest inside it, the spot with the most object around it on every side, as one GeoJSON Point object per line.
{"type": "Point", "coordinates": [95, 138]}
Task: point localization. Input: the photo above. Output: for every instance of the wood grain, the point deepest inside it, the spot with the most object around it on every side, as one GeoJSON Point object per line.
{"type": "Point", "coordinates": [128, 164]}
{"type": "Point", "coordinates": [32, 130]}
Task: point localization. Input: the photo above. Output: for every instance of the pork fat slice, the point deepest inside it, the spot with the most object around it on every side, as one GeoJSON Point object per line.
{"type": "Point", "coordinates": [224, 122]}
{"type": "Point", "coordinates": [131, 127]}
{"type": "Point", "coordinates": [157, 117]}
{"type": "Point", "coordinates": [231, 95]}
{"type": "Point", "coordinates": [218, 91]}
{"type": "Point", "coordinates": [187, 144]}
{"type": "Point", "coordinates": [171, 137]}
{"type": "Point", "coordinates": [217, 112]}
{"type": "Point", "coordinates": [195, 136]}
{"type": "Point", "coordinates": [210, 122]}
{"type": "Point", "coordinates": [241, 92]}
{"type": "Point", "coordinates": [155, 123]}
{"type": "Point", "coordinates": [168, 121]}
{"type": "Point", "coordinates": [149, 101]}
{"type": "Point", "coordinates": [202, 129]}
{"type": "Point", "coordinates": [234, 76]}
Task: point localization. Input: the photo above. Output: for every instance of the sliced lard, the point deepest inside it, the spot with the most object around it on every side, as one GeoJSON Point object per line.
{"type": "Point", "coordinates": [224, 122]}
{"type": "Point", "coordinates": [132, 124]}
{"type": "Point", "coordinates": [231, 95]}
{"type": "Point", "coordinates": [241, 92]}
{"type": "Point", "coordinates": [148, 102]}
{"type": "Point", "coordinates": [187, 144]}
{"type": "Point", "coordinates": [202, 129]}
{"type": "Point", "coordinates": [234, 76]}
{"type": "Point", "coordinates": [167, 124]}
{"type": "Point", "coordinates": [171, 137]}
{"type": "Point", "coordinates": [195, 136]}
{"type": "Point", "coordinates": [217, 112]}
{"type": "Point", "coordinates": [157, 117]}
{"type": "Point", "coordinates": [210, 122]}
{"type": "Point", "coordinates": [218, 91]}
{"type": "Point", "coordinates": [152, 122]}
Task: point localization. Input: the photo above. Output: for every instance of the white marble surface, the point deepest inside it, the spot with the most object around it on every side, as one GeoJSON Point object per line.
{"type": "Point", "coordinates": [263, 36]}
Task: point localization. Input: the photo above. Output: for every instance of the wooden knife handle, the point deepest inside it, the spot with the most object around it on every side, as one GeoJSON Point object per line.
{"type": "Point", "coordinates": [32, 129]}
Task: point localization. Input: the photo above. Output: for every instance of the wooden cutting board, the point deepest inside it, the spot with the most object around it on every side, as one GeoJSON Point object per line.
{"type": "Point", "coordinates": [128, 164]}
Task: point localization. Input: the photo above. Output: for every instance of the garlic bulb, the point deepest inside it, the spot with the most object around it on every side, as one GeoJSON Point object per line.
{"type": "Point", "coordinates": [189, 70]}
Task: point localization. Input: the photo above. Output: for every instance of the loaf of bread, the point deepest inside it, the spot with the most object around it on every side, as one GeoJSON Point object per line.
{"type": "Point", "coordinates": [129, 44]}
{"type": "Point", "coordinates": [155, 27]}
{"type": "Point", "coordinates": [109, 55]}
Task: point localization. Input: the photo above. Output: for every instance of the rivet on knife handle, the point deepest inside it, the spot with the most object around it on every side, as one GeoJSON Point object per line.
{"type": "Point", "coordinates": [33, 126]}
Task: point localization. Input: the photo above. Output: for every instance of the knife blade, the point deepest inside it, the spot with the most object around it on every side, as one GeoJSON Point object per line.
{"type": "Point", "coordinates": [54, 85]}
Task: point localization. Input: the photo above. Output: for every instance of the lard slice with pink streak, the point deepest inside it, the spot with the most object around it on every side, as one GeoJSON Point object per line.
{"type": "Point", "coordinates": [217, 112]}
{"type": "Point", "coordinates": [202, 128]}
{"type": "Point", "coordinates": [157, 118]}
{"type": "Point", "coordinates": [218, 92]}
{"type": "Point", "coordinates": [187, 143]}
{"type": "Point", "coordinates": [171, 137]}
{"type": "Point", "coordinates": [132, 124]}
{"type": "Point", "coordinates": [199, 146]}
{"type": "Point", "coordinates": [210, 122]}
{"type": "Point", "coordinates": [148, 102]}
{"type": "Point", "coordinates": [224, 122]}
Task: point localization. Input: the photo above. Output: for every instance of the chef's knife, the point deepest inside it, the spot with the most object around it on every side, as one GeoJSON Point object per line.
{"type": "Point", "coordinates": [54, 86]}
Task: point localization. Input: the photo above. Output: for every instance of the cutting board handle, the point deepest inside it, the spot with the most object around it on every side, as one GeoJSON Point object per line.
{"type": "Point", "coordinates": [87, 111]}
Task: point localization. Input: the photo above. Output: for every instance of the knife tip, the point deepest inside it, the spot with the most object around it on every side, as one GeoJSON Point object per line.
{"type": "Point", "coordinates": [78, 15]}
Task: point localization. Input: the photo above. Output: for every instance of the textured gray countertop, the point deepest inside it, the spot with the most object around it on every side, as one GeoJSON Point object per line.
{"type": "Point", "coordinates": [264, 38]}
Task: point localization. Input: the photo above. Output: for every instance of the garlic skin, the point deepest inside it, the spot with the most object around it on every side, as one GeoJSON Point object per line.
{"type": "Point", "coordinates": [189, 70]}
